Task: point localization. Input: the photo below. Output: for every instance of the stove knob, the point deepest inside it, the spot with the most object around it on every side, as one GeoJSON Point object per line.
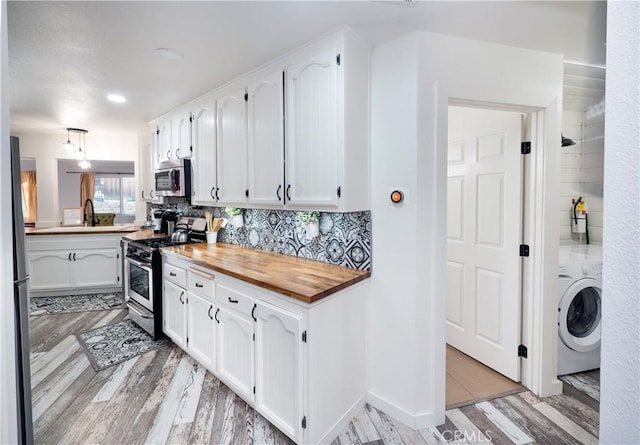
{"type": "Point", "coordinates": [146, 254]}
{"type": "Point", "coordinates": [130, 250]}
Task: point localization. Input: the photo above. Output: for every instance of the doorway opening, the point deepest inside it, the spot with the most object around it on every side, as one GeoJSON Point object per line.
{"type": "Point", "coordinates": [485, 229]}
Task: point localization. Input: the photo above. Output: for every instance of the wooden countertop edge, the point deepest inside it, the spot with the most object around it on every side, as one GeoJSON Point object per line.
{"type": "Point", "coordinates": [278, 289]}
{"type": "Point", "coordinates": [41, 232]}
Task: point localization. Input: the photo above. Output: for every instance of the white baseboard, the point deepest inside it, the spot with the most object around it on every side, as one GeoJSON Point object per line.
{"type": "Point", "coordinates": [416, 421]}
{"type": "Point", "coordinates": [344, 420]}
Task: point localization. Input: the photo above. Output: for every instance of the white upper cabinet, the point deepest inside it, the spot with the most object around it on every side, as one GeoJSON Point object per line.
{"type": "Point", "coordinates": [300, 142]}
{"type": "Point", "coordinates": [204, 164]}
{"type": "Point", "coordinates": [312, 134]}
{"type": "Point", "coordinates": [181, 135]}
{"type": "Point", "coordinates": [164, 141]}
{"type": "Point", "coordinates": [232, 147]}
{"type": "Point", "coordinates": [266, 139]}
{"type": "Point", "coordinates": [144, 174]}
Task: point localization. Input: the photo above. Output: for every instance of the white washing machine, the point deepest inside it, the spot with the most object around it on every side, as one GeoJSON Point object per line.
{"type": "Point", "coordinates": [579, 308]}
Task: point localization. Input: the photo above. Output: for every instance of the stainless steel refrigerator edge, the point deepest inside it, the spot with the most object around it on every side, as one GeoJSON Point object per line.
{"type": "Point", "coordinates": [21, 302]}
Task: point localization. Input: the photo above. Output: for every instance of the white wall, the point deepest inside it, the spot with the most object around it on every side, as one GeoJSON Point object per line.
{"type": "Point", "coordinates": [68, 189]}
{"type": "Point", "coordinates": [413, 79]}
{"type": "Point", "coordinates": [581, 174]}
{"type": "Point", "coordinates": [620, 369]}
{"type": "Point", "coordinates": [46, 148]}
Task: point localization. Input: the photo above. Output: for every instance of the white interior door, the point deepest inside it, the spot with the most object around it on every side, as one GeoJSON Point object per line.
{"type": "Point", "coordinates": [484, 217]}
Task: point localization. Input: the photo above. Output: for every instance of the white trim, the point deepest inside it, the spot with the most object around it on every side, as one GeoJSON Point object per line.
{"type": "Point", "coordinates": [416, 421]}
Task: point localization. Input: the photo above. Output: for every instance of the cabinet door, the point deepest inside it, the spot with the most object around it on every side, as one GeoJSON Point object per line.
{"type": "Point", "coordinates": [266, 140]}
{"type": "Point", "coordinates": [145, 169]}
{"type": "Point", "coordinates": [232, 148]}
{"type": "Point", "coordinates": [312, 133]}
{"type": "Point", "coordinates": [174, 312]}
{"type": "Point", "coordinates": [164, 141]}
{"type": "Point", "coordinates": [235, 351]}
{"type": "Point", "coordinates": [181, 136]}
{"type": "Point", "coordinates": [96, 267]}
{"type": "Point", "coordinates": [201, 331]}
{"type": "Point", "coordinates": [50, 270]}
{"type": "Point", "coordinates": [203, 167]}
{"type": "Point", "coordinates": [279, 367]}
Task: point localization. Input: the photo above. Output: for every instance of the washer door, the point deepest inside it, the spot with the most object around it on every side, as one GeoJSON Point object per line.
{"type": "Point", "coordinates": [579, 315]}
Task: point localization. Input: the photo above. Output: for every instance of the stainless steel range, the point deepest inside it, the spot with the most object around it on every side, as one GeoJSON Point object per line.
{"type": "Point", "coordinates": [143, 276]}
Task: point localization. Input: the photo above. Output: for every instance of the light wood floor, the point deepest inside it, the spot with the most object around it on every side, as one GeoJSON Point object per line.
{"type": "Point", "coordinates": [468, 379]}
{"type": "Point", "coordinates": [163, 397]}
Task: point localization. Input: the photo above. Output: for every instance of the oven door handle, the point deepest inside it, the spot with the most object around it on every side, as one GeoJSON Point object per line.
{"type": "Point", "coordinates": [131, 306]}
{"type": "Point", "coordinates": [139, 264]}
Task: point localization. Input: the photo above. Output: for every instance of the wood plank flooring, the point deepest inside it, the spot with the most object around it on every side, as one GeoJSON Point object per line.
{"type": "Point", "coordinates": [164, 397]}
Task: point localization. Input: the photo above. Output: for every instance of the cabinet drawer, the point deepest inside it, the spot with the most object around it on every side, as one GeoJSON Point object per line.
{"type": "Point", "coordinates": [202, 283]}
{"type": "Point", "coordinates": [176, 274]}
{"type": "Point", "coordinates": [234, 299]}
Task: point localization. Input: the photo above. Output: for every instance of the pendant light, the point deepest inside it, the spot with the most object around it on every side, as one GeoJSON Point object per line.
{"type": "Point", "coordinates": [68, 146]}
{"type": "Point", "coordinates": [84, 162]}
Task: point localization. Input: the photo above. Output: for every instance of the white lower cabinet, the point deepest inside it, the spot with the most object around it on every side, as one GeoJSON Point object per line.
{"type": "Point", "coordinates": [68, 262]}
{"type": "Point", "coordinates": [236, 352]}
{"type": "Point", "coordinates": [279, 366]}
{"type": "Point", "coordinates": [201, 330]}
{"type": "Point", "coordinates": [255, 341]}
{"type": "Point", "coordinates": [174, 310]}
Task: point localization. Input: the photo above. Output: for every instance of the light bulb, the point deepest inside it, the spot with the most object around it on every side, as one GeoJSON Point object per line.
{"type": "Point", "coordinates": [84, 164]}
{"type": "Point", "coordinates": [69, 147]}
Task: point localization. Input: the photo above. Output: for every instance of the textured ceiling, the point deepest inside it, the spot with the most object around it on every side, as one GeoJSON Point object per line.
{"type": "Point", "coordinates": [64, 57]}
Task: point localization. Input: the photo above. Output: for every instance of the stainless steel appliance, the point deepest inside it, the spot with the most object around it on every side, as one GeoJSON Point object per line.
{"type": "Point", "coordinates": [21, 304]}
{"type": "Point", "coordinates": [173, 178]}
{"type": "Point", "coordinates": [157, 220]}
{"type": "Point", "coordinates": [143, 276]}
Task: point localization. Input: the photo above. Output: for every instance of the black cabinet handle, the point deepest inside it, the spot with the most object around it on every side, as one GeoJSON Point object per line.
{"type": "Point", "coordinates": [216, 315]}
{"type": "Point", "coordinates": [211, 193]}
{"type": "Point", "coordinates": [288, 188]}
{"type": "Point", "coordinates": [69, 256]}
{"type": "Point", "coordinates": [199, 285]}
{"type": "Point", "coordinates": [278, 192]}
{"type": "Point", "coordinates": [181, 294]}
{"type": "Point", "coordinates": [74, 256]}
{"type": "Point", "coordinates": [178, 152]}
{"type": "Point", "coordinates": [209, 312]}
{"type": "Point", "coordinates": [168, 154]}
{"type": "Point", "coordinates": [252, 311]}
{"type": "Point", "coordinates": [142, 194]}
{"type": "Point", "coordinates": [231, 300]}
{"type": "Point", "coordinates": [217, 190]}
{"type": "Point", "coordinates": [172, 274]}
{"type": "Point", "coordinates": [151, 194]}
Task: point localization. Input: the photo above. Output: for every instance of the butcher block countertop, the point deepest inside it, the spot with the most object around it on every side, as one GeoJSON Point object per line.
{"type": "Point", "coordinates": [81, 230]}
{"type": "Point", "coordinates": [299, 278]}
{"type": "Point", "coordinates": [143, 234]}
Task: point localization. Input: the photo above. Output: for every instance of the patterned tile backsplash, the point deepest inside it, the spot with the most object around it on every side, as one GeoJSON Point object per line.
{"type": "Point", "coordinates": [345, 238]}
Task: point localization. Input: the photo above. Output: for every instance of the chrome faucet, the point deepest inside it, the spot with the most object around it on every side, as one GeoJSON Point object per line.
{"type": "Point", "coordinates": [93, 213]}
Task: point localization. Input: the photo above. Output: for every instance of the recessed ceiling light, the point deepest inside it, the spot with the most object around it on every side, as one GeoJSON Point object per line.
{"type": "Point", "coordinates": [116, 98]}
{"type": "Point", "coordinates": [168, 53]}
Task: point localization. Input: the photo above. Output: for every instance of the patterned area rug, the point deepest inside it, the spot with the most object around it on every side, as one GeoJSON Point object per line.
{"type": "Point", "coordinates": [115, 343]}
{"type": "Point", "coordinates": [76, 303]}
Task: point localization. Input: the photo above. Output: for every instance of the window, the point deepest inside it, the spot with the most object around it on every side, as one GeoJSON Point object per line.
{"type": "Point", "coordinates": [114, 194]}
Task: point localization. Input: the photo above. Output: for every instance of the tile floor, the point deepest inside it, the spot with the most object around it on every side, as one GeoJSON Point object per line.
{"type": "Point", "coordinates": [468, 379]}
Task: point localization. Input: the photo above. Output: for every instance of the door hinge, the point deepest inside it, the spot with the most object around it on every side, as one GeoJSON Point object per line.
{"type": "Point", "coordinates": [339, 191]}
{"type": "Point", "coordinates": [304, 337]}
{"type": "Point", "coordinates": [525, 148]}
{"type": "Point", "coordinates": [190, 118]}
{"type": "Point", "coordinates": [522, 351]}
{"type": "Point", "coordinates": [304, 422]}
{"type": "Point", "coordinates": [254, 336]}
{"type": "Point", "coordinates": [254, 389]}
{"type": "Point", "coordinates": [118, 279]}
{"type": "Point", "coordinates": [524, 250]}
{"type": "Point", "coordinates": [246, 97]}
{"type": "Point", "coordinates": [187, 340]}
{"type": "Point", "coordinates": [338, 59]}
{"type": "Point", "coordinates": [246, 193]}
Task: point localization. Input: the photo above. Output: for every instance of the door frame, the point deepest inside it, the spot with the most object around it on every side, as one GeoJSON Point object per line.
{"type": "Point", "coordinates": [537, 314]}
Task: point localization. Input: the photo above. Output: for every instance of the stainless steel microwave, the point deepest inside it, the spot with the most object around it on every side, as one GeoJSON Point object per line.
{"type": "Point", "coordinates": [173, 178]}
